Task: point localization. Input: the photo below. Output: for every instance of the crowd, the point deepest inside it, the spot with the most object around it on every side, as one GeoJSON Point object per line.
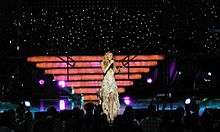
{"type": "Point", "coordinates": [92, 119]}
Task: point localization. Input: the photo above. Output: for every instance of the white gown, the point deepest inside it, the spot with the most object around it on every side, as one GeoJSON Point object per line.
{"type": "Point", "coordinates": [109, 95]}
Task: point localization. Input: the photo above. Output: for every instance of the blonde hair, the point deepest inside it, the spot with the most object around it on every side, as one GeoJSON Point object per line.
{"type": "Point", "coordinates": [105, 60]}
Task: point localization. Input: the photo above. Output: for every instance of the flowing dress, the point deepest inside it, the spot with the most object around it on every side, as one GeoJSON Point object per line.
{"type": "Point", "coordinates": [109, 95]}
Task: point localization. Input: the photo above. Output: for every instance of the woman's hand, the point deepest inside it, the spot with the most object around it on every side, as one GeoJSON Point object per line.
{"type": "Point", "coordinates": [111, 61]}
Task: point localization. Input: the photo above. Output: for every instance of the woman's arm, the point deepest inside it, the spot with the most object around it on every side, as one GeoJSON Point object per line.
{"type": "Point", "coordinates": [106, 69]}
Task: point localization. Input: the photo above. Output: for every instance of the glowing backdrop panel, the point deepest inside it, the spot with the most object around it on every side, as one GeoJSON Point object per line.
{"type": "Point", "coordinates": [84, 74]}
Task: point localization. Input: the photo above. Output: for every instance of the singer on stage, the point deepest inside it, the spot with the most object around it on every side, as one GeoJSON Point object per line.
{"type": "Point", "coordinates": [108, 92]}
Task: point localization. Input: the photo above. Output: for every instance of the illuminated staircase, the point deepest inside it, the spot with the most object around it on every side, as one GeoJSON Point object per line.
{"type": "Point", "coordinates": [84, 73]}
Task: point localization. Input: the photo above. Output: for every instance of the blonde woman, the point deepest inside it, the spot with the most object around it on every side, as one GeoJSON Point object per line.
{"type": "Point", "coordinates": [108, 92]}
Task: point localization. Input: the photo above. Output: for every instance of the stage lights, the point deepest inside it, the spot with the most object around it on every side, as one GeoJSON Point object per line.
{"type": "Point", "coordinates": [62, 104]}
{"type": "Point", "coordinates": [149, 80]}
{"type": "Point", "coordinates": [41, 82]}
{"type": "Point", "coordinates": [187, 101]}
{"type": "Point", "coordinates": [62, 84]}
{"type": "Point", "coordinates": [27, 103]}
{"type": "Point", "coordinates": [127, 100]}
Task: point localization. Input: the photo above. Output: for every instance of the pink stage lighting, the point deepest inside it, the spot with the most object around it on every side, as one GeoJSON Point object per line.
{"type": "Point", "coordinates": [62, 84]}
{"type": "Point", "coordinates": [127, 100]}
{"type": "Point", "coordinates": [41, 82]}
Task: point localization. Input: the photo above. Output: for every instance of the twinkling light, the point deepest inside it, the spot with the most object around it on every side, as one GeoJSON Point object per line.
{"type": "Point", "coordinates": [87, 28]}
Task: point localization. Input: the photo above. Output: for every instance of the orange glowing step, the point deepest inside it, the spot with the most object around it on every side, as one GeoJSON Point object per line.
{"type": "Point", "coordinates": [93, 90]}
{"type": "Point", "coordinates": [96, 83]}
{"type": "Point", "coordinates": [90, 97]}
{"type": "Point", "coordinates": [93, 71]}
{"type": "Point", "coordinates": [93, 64]}
{"type": "Point", "coordinates": [95, 77]}
{"type": "Point", "coordinates": [91, 58]}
